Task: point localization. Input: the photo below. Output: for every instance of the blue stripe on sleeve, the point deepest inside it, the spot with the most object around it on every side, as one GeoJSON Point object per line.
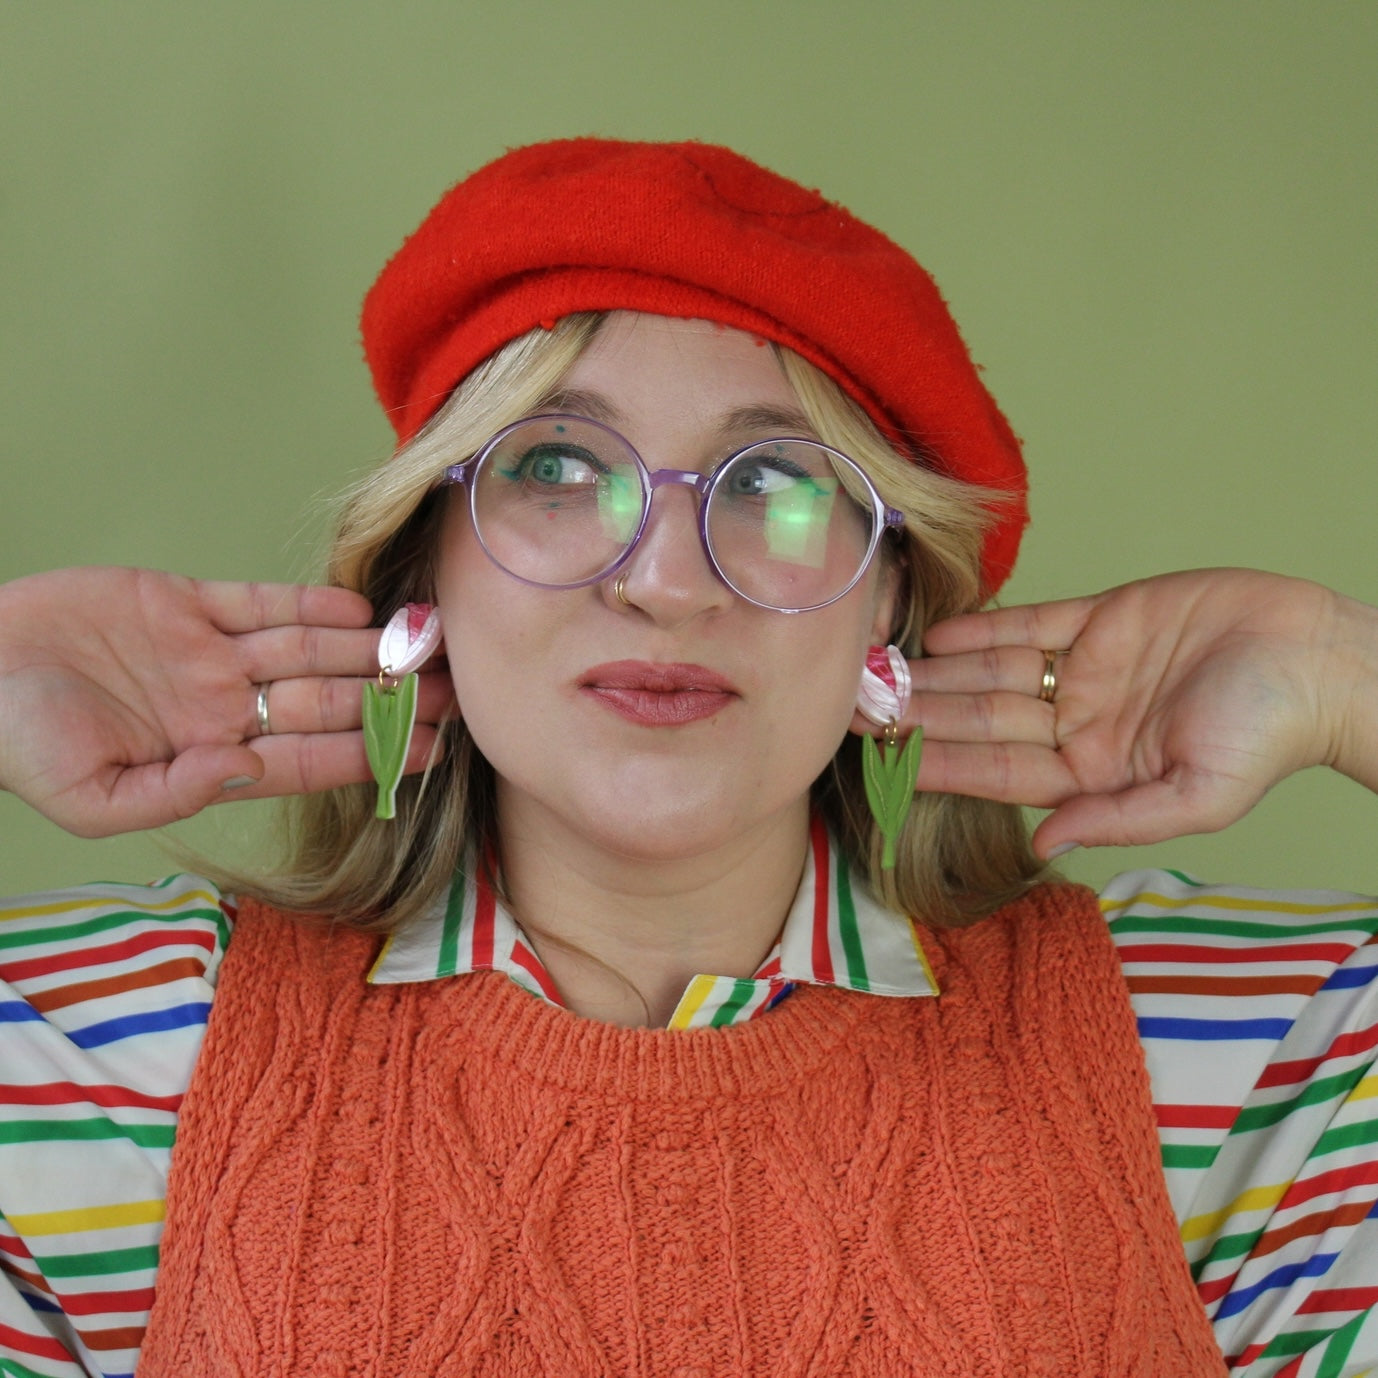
{"type": "Point", "coordinates": [1314, 1267]}
{"type": "Point", "coordinates": [18, 1012]}
{"type": "Point", "coordinates": [112, 1030]}
{"type": "Point", "coordinates": [1214, 1030]}
{"type": "Point", "coordinates": [1350, 978]}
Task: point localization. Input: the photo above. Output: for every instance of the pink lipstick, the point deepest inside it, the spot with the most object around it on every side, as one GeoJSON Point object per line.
{"type": "Point", "coordinates": [655, 695]}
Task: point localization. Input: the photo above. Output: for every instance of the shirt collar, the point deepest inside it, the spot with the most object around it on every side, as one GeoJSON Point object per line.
{"type": "Point", "coordinates": [836, 934]}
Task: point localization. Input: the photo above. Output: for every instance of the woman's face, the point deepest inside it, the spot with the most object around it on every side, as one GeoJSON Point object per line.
{"type": "Point", "coordinates": [685, 719]}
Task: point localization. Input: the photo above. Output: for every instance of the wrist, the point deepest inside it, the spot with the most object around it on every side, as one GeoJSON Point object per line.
{"type": "Point", "coordinates": [1354, 692]}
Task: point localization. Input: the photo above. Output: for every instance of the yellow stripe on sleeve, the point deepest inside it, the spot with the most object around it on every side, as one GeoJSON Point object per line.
{"type": "Point", "coordinates": [1255, 1199]}
{"type": "Point", "coordinates": [89, 1218]}
{"type": "Point", "coordinates": [1265, 906]}
{"type": "Point", "coordinates": [1365, 1090]}
{"type": "Point", "coordinates": [188, 899]}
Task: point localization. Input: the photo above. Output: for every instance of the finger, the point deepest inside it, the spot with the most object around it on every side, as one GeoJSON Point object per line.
{"type": "Point", "coordinates": [1011, 669]}
{"type": "Point", "coordinates": [1010, 773]}
{"type": "Point", "coordinates": [997, 717]}
{"type": "Point", "coordinates": [297, 652]}
{"type": "Point", "coordinates": [1047, 626]}
{"type": "Point", "coordinates": [308, 762]}
{"type": "Point", "coordinates": [135, 798]}
{"type": "Point", "coordinates": [249, 607]}
{"type": "Point", "coordinates": [1153, 812]}
{"type": "Point", "coordinates": [335, 703]}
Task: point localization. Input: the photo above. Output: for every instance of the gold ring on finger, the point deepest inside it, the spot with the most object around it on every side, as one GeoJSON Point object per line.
{"type": "Point", "coordinates": [1048, 689]}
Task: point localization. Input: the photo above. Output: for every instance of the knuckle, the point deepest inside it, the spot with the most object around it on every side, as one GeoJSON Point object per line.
{"type": "Point", "coordinates": [983, 715]}
{"type": "Point", "coordinates": [1004, 770]}
{"type": "Point", "coordinates": [308, 650]}
{"type": "Point", "coordinates": [329, 703]}
{"type": "Point", "coordinates": [258, 600]}
{"type": "Point", "coordinates": [990, 665]}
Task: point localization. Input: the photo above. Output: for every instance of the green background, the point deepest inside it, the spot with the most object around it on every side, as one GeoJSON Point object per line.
{"type": "Point", "coordinates": [1154, 221]}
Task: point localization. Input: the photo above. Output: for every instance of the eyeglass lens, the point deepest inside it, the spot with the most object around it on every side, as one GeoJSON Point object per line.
{"type": "Point", "coordinates": [558, 501]}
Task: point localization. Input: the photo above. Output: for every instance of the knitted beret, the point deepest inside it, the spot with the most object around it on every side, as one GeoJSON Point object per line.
{"type": "Point", "coordinates": [689, 230]}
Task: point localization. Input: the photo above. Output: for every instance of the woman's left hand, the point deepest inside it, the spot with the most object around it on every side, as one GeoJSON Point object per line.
{"type": "Point", "coordinates": [1180, 700]}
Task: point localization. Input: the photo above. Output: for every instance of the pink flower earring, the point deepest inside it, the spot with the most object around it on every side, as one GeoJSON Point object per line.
{"type": "Point", "coordinates": [408, 641]}
{"type": "Point", "coordinates": [882, 697]}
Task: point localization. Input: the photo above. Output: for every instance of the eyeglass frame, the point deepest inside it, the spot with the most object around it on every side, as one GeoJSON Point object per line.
{"type": "Point", "coordinates": [884, 517]}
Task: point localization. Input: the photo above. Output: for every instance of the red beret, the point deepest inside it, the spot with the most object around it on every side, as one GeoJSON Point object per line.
{"type": "Point", "coordinates": [688, 230]}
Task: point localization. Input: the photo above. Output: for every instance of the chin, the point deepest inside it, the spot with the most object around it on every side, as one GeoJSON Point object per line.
{"type": "Point", "coordinates": [654, 809]}
{"type": "Point", "coordinates": [665, 835]}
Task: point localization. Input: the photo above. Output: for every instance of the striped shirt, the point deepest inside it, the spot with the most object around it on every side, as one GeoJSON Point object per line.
{"type": "Point", "coordinates": [1258, 1014]}
{"type": "Point", "coordinates": [1259, 1018]}
{"type": "Point", "coordinates": [835, 935]}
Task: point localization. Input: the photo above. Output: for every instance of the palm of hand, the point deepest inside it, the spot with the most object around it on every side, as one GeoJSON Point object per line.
{"type": "Point", "coordinates": [127, 697]}
{"type": "Point", "coordinates": [1180, 701]}
{"type": "Point", "coordinates": [107, 695]}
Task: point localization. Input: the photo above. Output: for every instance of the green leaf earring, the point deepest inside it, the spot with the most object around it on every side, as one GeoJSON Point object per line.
{"type": "Point", "coordinates": [408, 641]}
{"type": "Point", "coordinates": [882, 697]}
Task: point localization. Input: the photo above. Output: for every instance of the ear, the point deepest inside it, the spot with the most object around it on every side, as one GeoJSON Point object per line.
{"type": "Point", "coordinates": [889, 590]}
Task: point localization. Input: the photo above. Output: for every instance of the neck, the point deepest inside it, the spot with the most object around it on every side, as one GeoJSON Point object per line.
{"type": "Point", "coordinates": [622, 935]}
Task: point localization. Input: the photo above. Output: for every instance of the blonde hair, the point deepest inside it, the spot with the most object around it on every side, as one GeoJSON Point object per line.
{"type": "Point", "coordinates": [957, 858]}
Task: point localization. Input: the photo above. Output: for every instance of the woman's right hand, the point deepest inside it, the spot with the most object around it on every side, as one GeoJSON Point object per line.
{"type": "Point", "coordinates": [129, 698]}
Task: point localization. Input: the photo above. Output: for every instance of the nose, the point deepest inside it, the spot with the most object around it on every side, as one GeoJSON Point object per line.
{"type": "Point", "coordinates": [669, 575]}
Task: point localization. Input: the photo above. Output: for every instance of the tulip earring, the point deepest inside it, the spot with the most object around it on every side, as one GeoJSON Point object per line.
{"type": "Point", "coordinates": [882, 697]}
{"type": "Point", "coordinates": [408, 641]}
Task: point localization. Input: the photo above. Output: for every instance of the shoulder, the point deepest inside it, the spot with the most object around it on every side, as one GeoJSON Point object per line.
{"type": "Point", "coordinates": [1238, 992]}
{"type": "Point", "coordinates": [118, 976]}
{"type": "Point", "coordinates": [1206, 915]}
{"type": "Point", "coordinates": [1258, 1014]}
{"type": "Point", "coordinates": [1045, 967]}
{"type": "Point", "coordinates": [105, 991]}
{"type": "Point", "coordinates": [54, 944]}
{"type": "Point", "coordinates": [1054, 924]}
{"type": "Point", "coordinates": [1231, 964]}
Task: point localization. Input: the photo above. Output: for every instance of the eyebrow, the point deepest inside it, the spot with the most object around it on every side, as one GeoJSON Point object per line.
{"type": "Point", "coordinates": [579, 402]}
{"type": "Point", "coordinates": [752, 417]}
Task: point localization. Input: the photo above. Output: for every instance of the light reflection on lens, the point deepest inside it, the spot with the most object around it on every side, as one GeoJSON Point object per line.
{"type": "Point", "coordinates": [558, 501]}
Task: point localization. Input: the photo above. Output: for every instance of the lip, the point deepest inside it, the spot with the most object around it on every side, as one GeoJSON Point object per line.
{"type": "Point", "coordinates": [658, 695]}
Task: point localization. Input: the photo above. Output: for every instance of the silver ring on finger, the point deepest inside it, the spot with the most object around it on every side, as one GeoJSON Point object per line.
{"type": "Point", "coordinates": [265, 726]}
{"type": "Point", "coordinates": [1047, 691]}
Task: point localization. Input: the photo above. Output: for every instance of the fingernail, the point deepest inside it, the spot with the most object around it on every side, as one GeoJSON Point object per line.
{"type": "Point", "coordinates": [238, 782]}
{"type": "Point", "coordinates": [1063, 850]}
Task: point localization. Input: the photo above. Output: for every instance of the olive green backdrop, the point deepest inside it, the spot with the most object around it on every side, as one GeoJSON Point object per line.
{"type": "Point", "coordinates": [1155, 222]}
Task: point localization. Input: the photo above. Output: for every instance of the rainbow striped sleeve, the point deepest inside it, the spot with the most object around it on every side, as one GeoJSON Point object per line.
{"type": "Point", "coordinates": [104, 995]}
{"type": "Point", "coordinates": [1259, 1017]}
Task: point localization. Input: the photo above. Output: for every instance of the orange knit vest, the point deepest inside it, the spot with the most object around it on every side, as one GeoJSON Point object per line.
{"type": "Point", "coordinates": [455, 1178]}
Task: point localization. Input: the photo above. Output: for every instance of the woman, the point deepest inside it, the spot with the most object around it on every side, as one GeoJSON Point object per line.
{"type": "Point", "coordinates": [740, 1116]}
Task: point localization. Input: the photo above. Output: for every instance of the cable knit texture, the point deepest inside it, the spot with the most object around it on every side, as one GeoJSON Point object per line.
{"type": "Point", "coordinates": [454, 1178]}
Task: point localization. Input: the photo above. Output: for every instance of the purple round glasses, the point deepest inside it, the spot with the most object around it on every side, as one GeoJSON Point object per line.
{"type": "Point", "coordinates": [561, 501]}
